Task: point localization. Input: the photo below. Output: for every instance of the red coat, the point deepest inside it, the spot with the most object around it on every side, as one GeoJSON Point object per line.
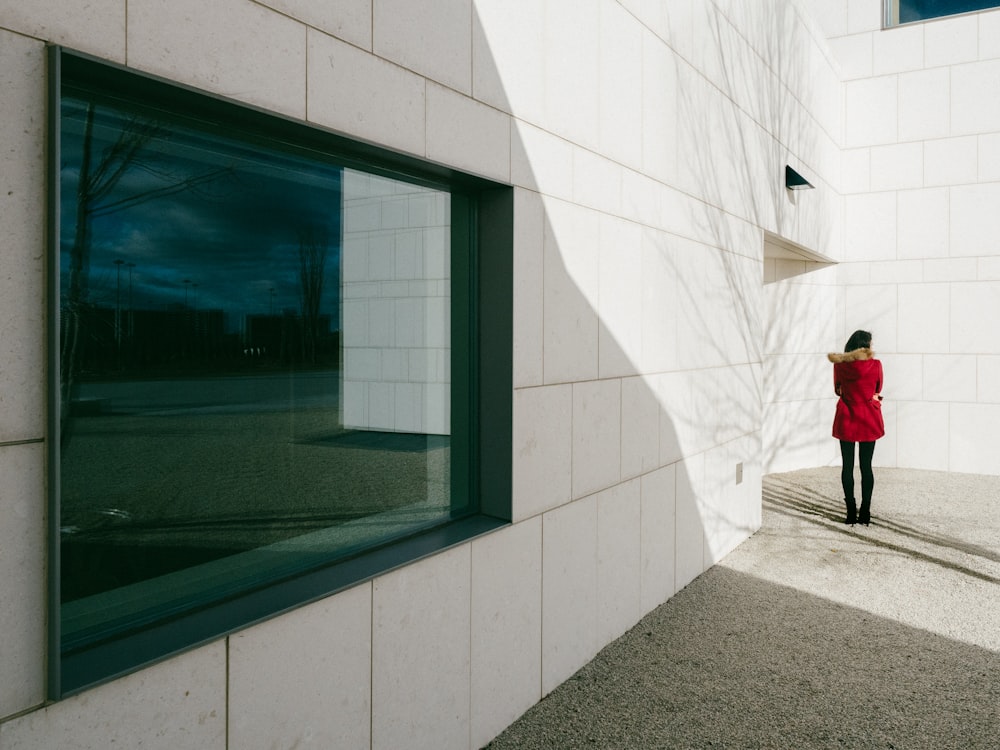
{"type": "Point", "coordinates": [857, 377]}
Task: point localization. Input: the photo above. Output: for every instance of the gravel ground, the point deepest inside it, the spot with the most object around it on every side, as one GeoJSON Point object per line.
{"type": "Point", "coordinates": [812, 634]}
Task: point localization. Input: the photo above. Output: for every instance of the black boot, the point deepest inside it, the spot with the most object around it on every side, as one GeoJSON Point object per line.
{"type": "Point", "coordinates": [852, 511]}
{"type": "Point", "coordinates": [864, 515]}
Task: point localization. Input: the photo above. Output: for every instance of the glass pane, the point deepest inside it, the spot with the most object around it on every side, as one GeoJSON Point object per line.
{"type": "Point", "coordinates": [920, 10]}
{"type": "Point", "coordinates": [255, 363]}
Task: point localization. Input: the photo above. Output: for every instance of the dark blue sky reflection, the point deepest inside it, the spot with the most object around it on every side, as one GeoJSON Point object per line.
{"type": "Point", "coordinates": [918, 10]}
{"type": "Point", "coordinates": [207, 220]}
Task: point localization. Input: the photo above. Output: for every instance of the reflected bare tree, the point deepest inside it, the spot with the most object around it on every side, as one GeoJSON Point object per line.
{"type": "Point", "coordinates": [100, 176]}
{"type": "Point", "coordinates": [313, 247]}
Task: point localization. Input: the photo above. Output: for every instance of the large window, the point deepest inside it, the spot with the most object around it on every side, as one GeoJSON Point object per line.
{"type": "Point", "coordinates": [909, 11]}
{"type": "Point", "coordinates": [268, 348]}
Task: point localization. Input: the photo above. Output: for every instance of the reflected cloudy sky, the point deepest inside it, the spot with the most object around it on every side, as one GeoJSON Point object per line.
{"type": "Point", "coordinates": [234, 236]}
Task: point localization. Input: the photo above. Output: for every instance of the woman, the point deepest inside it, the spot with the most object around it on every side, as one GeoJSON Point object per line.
{"type": "Point", "coordinates": [857, 379]}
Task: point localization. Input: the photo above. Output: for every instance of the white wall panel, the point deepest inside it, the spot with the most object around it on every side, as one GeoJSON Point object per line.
{"type": "Point", "coordinates": [973, 446]}
{"type": "Point", "coordinates": [571, 287]}
{"type": "Point", "coordinates": [421, 641]}
{"type": "Point", "coordinates": [280, 691]}
{"type": "Point", "coordinates": [874, 308]}
{"type": "Point", "coordinates": [467, 134]}
{"type": "Point", "coordinates": [949, 377]}
{"type": "Point", "coordinates": [230, 47]}
{"type": "Point", "coordinates": [897, 167]}
{"type": "Point", "coordinates": [871, 226]}
{"type": "Point", "coordinates": [179, 704]}
{"type": "Point", "coordinates": [506, 627]}
{"type": "Point", "coordinates": [340, 85]}
{"type": "Point", "coordinates": [903, 376]}
{"type": "Point", "coordinates": [350, 20]}
{"type": "Point", "coordinates": [529, 288]}
{"type": "Point", "coordinates": [569, 590]}
{"type": "Point", "coordinates": [541, 161]}
{"type": "Point", "coordinates": [975, 222]}
{"type": "Point", "coordinates": [923, 318]}
{"type": "Point", "coordinates": [952, 42]}
{"type": "Point", "coordinates": [871, 111]}
{"type": "Point", "coordinates": [924, 104]}
{"type": "Point", "coordinates": [22, 225]}
{"type": "Point", "coordinates": [508, 55]}
{"type": "Point", "coordinates": [922, 435]}
{"type": "Point", "coordinates": [863, 15]}
{"type": "Point", "coordinates": [658, 542]}
{"type": "Point", "coordinates": [899, 49]}
{"type": "Point", "coordinates": [431, 39]}
{"type": "Point", "coordinates": [542, 450]}
{"type": "Point", "coordinates": [23, 599]}
{"type": "Point", "coordinates": [596, 436]}
{"type": "Point", "coordinates": [619, 560]}
{"type": "Point", "coordinates": [689, 526]}
{"type": "Point", "coordinates": [989, 35]}
{"type": "Point", "coordinates": [971, 305]}
{"type": "Point", "coordinates": [640, 429]}
{"type": "Point", "coordinates": [620, 308]}
{"type": "Point", "coordinates": [988, 379]}
{"type": "Point", "coordinates": [951, 161]}
{"type": "Point", "coordinates": [620, 83]}
{"type": "Point", "coordinates": [97, 27]}
{"type": "Point", "coordinates": [975, 98]}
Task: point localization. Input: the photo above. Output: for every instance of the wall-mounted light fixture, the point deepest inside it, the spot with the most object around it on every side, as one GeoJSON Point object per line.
{"type": "Point", "coordinates": [795, 181]}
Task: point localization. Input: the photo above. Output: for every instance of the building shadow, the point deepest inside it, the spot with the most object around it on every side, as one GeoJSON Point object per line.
{"type": "Point", "coordinates": [735, 661]}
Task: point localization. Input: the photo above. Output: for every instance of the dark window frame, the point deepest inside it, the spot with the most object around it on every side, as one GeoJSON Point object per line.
{"type": "Point", "coordinates": [482, 340]}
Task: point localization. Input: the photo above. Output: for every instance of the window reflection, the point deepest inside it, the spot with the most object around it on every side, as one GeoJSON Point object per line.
{"type": "Point", "coordinates": [255, 363]}
{"type": "Point", "coordinates": [909, 11]}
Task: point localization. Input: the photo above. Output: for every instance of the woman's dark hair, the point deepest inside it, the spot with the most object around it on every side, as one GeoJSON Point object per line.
{"type": "Point", "coordinates": [858, 340]}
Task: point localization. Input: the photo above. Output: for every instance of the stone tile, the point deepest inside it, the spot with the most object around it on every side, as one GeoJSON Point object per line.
{"type": "Point", "coordinates": [431, 39]}
{"type": "Point", "coordinates": [22, 225]}
{"type": "Point", "coordinates": [23, 554]}
{"type": "Point", "coordinates": [350, 20]}
{"type": "Point", "coordinates": [596, 436]}
{"type": "Point", "coordinates": [569, 590]}
{"type": "Point", "coordinates": [97, 28]}
{"type": "Point", "coordinates": [421, 644]}
{"type": "Point", "coordinates": [297, 679]}
{"type": "Point", "coordinates": [950, 377]}
{"type": "Point", "coordinates": [571, 287]}
{"type": "Point", "coordinates": [179, 704]}
{"type": "Point", "coordinates": [951, 42]}
{"type": "Point", "coordinates": [543, 449]}
{"type": "Point", "coordinates": [233, 48]}
{"type": "Point", "coordinates": [506, 627]}
{"type": "Point", "coordinates": [619, 307]}
{"type": "Point", "coordinates": [529, 289]}
{"type": "Point", "coordinates": [657, 539]}
{"type": "Point", "coordinates": [507, 53]}
{"type": "Point", "coordinates": [619, 560]}
{"type": "Point", "coordinates": [923, 223]}
{"type": "Point", "coordinates": [468, 135]}
{"type": "Point", "coordinates": [341, 81]}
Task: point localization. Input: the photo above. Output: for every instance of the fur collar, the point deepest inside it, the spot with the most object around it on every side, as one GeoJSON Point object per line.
{"type": "Point", "coordinates": [854, 356]}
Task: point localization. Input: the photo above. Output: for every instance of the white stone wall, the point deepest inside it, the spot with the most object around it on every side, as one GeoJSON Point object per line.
{"type": "Point", "coordinates": [646, 142]}
{"type": "Point", "coordinates": [921, 180]}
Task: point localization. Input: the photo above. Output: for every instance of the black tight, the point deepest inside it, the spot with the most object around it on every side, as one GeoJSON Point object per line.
{"type": "Point", "coordinates": [866, 451]}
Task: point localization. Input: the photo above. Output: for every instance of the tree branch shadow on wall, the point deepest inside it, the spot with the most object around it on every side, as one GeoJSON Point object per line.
{"type": "Point", "coordinates": [698, 415]}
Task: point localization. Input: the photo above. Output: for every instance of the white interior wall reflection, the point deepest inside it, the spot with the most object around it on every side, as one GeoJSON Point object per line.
{"type": "Point", "coordinates": [396, 325]}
